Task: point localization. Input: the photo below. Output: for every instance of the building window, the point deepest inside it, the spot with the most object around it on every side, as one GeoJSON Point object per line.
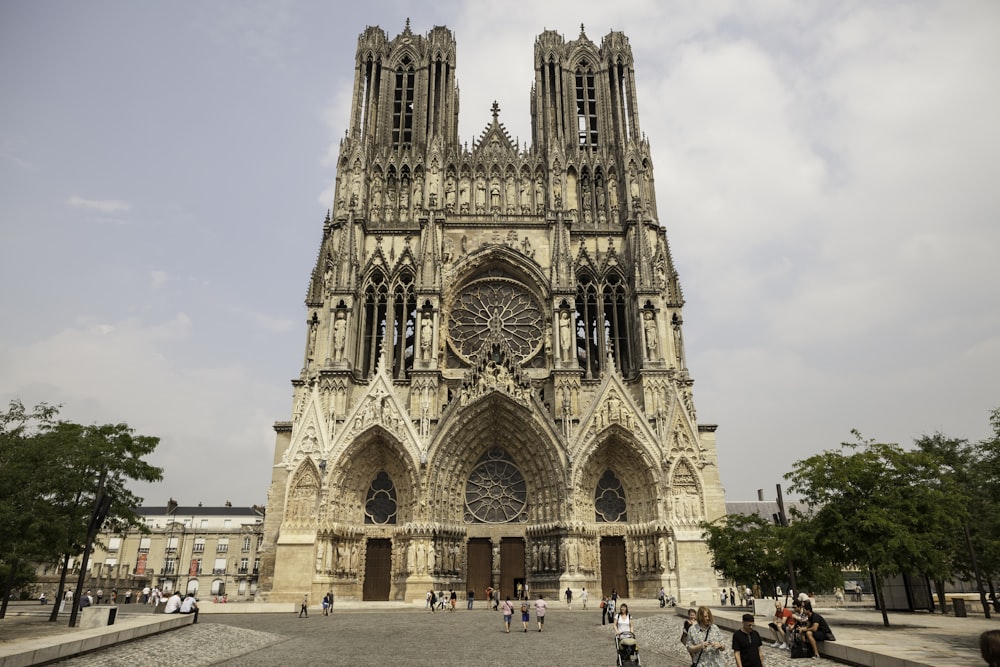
{"type": "Point", "coordinates": [172, 543]}
{"type": "Point", "coordinates": [204, 523]}
{"type": "Point", "coordinates": [602, 324]}
{"type": "Point", "coordinates": [260, 540]}
{"type": "Point", "coordinates": [586, 107]}
{"type": "Point", "coordinates": [495, 491]}
{"type": "Point", "coordinates": [222, 547]}
{"type": "Point", "coordinates": [244, 564]}
{"type": "Point", "coordinates": [227, 524]}
{"type": "Point", "coordinates": [246, 543]}
{"type": "Point", "coordinates": [169, 566]}
{"type": "Point", "coordinates": [220, 566]}
{"type": "Point", "coordinates": [609, 499]}
{"type": "Point", "coordinates": [199, 545]}
{"type": "Point", "coordinates": [380, 505]}
{"type": "Point", "coordinates": [144, 545]}
{"type": "Point", "coordinates": [402, 105]}
{"type": "Point", "coordinates": [114, 543]}
{"type": "Point", "coordinates": [384, 315]}
{"type": "Point", "coordinates": [256, 565]}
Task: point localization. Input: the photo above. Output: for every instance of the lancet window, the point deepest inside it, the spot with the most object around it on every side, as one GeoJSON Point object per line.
{"type": "Point", "coordinates": [402, 104]}
{"type": "Point", "coordinates": [389, 317]}
{"type": "Point", "coordinates": [602, 324]}
{"type": "Point", "coordinates": [586, 107]}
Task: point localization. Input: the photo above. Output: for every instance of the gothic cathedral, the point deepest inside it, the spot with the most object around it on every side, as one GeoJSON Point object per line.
{"type": "Point", "coordinates": [494, 389]}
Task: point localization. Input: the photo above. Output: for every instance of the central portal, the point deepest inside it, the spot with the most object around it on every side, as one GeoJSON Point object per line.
{"type": "Point", "coordinates": [511, 566]}
{"type": "Point", "coordinates": [480, 572]}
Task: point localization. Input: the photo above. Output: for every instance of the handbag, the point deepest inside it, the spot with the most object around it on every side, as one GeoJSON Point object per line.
{"type": "Point", "coordinates": [801, 649]}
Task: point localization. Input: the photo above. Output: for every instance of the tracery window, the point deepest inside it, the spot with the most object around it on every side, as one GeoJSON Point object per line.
{"type": "Point", "coordinates": [609, 499]}
{"type": "Point", "coordinates": [402, 104]}
{"type": "Point", "coordinates": [586, 107]}
{"type": "Point", "coordinates": [495, 309]}
{"type": "Point", "coordinates": [389, 312]}
{"type": "Point", "coordinates": [602, 324]}
{"type": "Point", "coordinates": [380, 503]}
{"type": "Point", "coordinates": [495, 491]}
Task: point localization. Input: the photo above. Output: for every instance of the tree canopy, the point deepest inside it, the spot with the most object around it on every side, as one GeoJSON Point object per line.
{"type": "Point", "coordinates": [879, 507]}
{"type": "Point", "coordinates": [49, 472]}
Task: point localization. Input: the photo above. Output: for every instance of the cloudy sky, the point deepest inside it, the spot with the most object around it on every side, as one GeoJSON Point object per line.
{"type": "Point", "coordinates": [827, 173]}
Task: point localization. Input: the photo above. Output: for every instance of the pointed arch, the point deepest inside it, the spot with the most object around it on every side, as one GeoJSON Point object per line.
{"type": "Point", "coordinates": [302, 504]}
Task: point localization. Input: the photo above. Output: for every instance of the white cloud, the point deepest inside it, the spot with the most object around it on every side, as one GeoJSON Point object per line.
{"type": "Point", "coordinates": [102, 205]}
{"type": "Point", "coordinates": [211, 418]}
{"type": "Point", "coordinates": [159, 278]}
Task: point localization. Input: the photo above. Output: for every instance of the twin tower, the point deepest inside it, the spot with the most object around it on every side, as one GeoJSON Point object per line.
{"type": "Point", "coordinates": [494, 389]}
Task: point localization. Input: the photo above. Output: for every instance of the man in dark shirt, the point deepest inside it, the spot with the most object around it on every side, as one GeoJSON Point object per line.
{"type": "Point", "coordinates": [747, 645]}
{"type": "Point", "coordinates": [816, 629]}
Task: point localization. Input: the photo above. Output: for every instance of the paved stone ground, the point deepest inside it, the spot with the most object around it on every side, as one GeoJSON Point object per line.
{"type": "Point", "coordinates": [412, 636]}
{"type": "Point", "coordinates": [415, 638]}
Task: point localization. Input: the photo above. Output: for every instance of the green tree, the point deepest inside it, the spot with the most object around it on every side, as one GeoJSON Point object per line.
{"type": "Point", "coordinates": [58, 477]}
{"type": "Point", "coordinates": [22, 487]}
{"type": "Point", "coordinates": [877, 506]}
{"type": "Point", "coordinates": [98, 462]}
{"type": "Point", "coordinates": [746, 549]}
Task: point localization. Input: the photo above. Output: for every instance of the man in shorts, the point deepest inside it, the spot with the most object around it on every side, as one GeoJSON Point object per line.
{"type": "Point", "coordinates": [540, 608]}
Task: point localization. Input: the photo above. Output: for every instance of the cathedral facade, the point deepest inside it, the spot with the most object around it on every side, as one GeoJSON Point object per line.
{"type": "Point", "coordinates": [494, 389]}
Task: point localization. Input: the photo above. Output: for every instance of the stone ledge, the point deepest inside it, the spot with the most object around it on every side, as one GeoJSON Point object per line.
{"type": "Point", "coordinates": [23, 653]}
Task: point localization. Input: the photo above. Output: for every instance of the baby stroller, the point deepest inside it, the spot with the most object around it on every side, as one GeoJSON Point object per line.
{"type": "Point", "coordinates": [625, 647]}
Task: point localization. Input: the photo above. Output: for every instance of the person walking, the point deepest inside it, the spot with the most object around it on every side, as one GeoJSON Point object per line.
{"type": "Point", "coordinates": [705, 641]}
{"type": "Point", "coordinates": [583, 598]}
{"type": "Point", "coordinates": [525, 616]}
{"type": "Point", "coordinates": [604, 609]}
{"type": "Point", "coordinates": [508, 611]}
{"type": "Point", "coordinates": [747, 645]}
{"type": "Point", "coordinates": [623, 621]}
{"type": "Point", "coordinates": [569, 597]}
{"type": "Point", "coordinates": [540, 608]}
{"type": "Point", "coordinates": [304, 607]}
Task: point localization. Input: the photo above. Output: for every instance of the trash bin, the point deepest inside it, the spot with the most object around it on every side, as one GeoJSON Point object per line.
{"type": "Point", "coordinates": [959, 606]}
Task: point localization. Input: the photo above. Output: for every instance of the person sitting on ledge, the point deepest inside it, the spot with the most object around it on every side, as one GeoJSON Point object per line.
{"type": "Point", "coordinates": [816, 629]}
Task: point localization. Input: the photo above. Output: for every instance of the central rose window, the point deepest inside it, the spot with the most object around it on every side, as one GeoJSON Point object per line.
{"type": "Point", "coordinates": [489, 310]}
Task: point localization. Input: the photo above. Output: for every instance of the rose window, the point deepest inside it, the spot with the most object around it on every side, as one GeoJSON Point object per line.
{"type": "Point", "coordinates": [495, 491]}
{"type": "Point", "coordinates": [492, 310]}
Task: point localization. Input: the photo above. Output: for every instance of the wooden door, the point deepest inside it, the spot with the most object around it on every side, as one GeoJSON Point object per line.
{"type": "Point", "coordinates": [613, 573]}
{"type": "Point", "coordinates": [479, 575]}
{"type": "Point", "coordinates": [378, 568]}
{"type": "Point", "coordinates": [511, 565]}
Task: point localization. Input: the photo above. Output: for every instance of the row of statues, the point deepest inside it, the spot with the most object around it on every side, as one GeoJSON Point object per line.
{"type": "Point", "coordinates": [392, 197]}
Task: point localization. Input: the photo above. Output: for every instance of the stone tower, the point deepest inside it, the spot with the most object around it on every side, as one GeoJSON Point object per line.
{"type": "Point", "coordinates": [494, 389]}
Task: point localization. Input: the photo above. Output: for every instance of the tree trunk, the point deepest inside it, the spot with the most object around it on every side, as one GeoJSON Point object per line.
{"type": "Point", "coordinates": [7, 585]}
{"type": "Point", "coordinates": [879, 600]}
{"type": "Point", "coordinates": [939, 587]}
{"type": "Point", "coordinates": [54, 615]}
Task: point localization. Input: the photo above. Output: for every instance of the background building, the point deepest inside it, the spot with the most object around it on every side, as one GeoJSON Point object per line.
{"type": "Point", "coordinates": [494, 388]}
{"type": "Point", "coordinates": [210, 551]}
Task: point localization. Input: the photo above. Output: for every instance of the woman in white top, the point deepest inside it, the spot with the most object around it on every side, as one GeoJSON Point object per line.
{"type": "Point", "coordinates": [623, 623]}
